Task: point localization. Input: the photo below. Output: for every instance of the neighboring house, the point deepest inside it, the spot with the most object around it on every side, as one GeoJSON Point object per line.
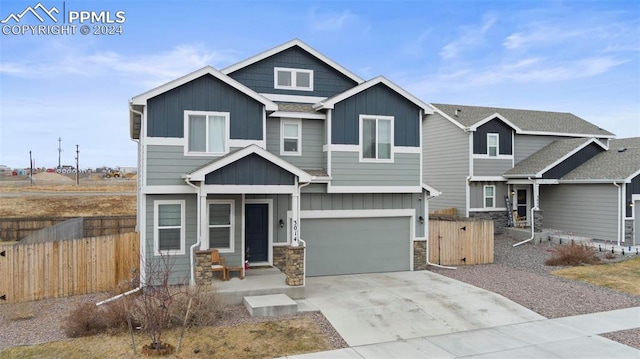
{"type": "Point", "coordinates": [479, 156]}
{"type": "Point", "coordinates": [284, 149]}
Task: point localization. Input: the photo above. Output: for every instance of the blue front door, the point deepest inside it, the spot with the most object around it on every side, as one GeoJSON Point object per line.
{"type": "Point", "coordinates": [256, 231]}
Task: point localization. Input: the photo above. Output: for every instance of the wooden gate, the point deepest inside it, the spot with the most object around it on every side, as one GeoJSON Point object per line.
{"type": "Point", "coordinates": [459, 241]}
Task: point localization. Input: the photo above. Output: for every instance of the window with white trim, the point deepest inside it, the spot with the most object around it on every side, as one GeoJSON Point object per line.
{"type": "Point", "coordinates": [492, 144]}
{"type": "Point", "coordinates": [292, 79]}
{"type": "Point", "coordinates": [376, 138]}
{"type": "Point", "coordinates": [489, 196]}
{"type": "Point", "coordinates": [291, 137]}
{"type": "Point", "coordinates": [220, 222]}
{"type": "Point", "coordinates": [207, 132]}
{"type": "Point", "coordinates": [168, 224]}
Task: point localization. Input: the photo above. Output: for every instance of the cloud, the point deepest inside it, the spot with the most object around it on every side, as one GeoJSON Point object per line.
{"type": "Point", "coordinates": [471, 37]}
{"type": "Point", "coordinates": [335, 21]}
{"type": "Point", "coordinates": [540, 34]}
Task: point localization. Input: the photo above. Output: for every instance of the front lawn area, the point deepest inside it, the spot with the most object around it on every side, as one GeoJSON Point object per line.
{"type": "Point", "coordinates": [622, 276]}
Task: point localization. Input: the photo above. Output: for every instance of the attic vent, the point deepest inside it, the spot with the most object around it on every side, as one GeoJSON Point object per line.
{"type": "Point", "coordinates": [622, 149]}
{"type": "Point", "coordinates": [457, 112]}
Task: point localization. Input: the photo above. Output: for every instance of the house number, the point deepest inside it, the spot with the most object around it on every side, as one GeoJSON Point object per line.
{"type": "Point", "coordinates": [295, 230]}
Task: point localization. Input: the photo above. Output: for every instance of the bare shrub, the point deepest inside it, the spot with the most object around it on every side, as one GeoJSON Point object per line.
{"type": "Point", "coordinates": [572, 255]}
{"type": "Point", "coordinates": [206, 306]}
{"type": "Point", "coordinates": [88, 319]}
{"type": "Point", "coordinates": [610, 255]}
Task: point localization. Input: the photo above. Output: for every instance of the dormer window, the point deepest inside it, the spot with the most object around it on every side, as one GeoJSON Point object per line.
{"type": "Point", "coordinates": [293, 79]}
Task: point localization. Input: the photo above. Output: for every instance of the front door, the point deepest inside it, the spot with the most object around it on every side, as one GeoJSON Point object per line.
{"type": "Point", "coordinates": [256, 231]}
{"type": "Point", "coordinates": [521, 202]}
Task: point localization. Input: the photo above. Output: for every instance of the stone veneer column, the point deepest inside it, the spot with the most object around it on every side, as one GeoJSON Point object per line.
{"type": "Point", "coordinates": [294, 266]}
{"type": "Point", "coordinates": [204, 275]}
{"type": "Point", "coordinates": [419, 255]}
{"type": "Point", "coordinates": [280, 257]}
{"type": "Point", "coordinates": [537, 225]}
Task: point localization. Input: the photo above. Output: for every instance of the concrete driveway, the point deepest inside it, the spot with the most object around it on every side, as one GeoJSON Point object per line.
{"type": "Point", "coordinates": [384, 307]}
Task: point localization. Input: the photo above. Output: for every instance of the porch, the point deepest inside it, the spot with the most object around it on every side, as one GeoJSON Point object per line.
{"type": "Point", "coordinates": [257, 281]}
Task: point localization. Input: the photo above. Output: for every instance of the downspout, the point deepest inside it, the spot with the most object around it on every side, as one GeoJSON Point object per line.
{"type": "Point", "coordinates": [426, 215]}
{"type": "Point", "coordinates": [198, 232]}
{"type": "Point", "coordinates": [533, 209]}
{"type": "Point", "coordinates": [619, 211]}
{"type": "Point", "coordinates": [304, 244]}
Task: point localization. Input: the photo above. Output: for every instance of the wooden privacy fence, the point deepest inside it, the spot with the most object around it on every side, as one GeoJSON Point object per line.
{"type": "Point", "coordinates": [458, 241]}
{"type": "Point", "coordinates": [64, 268]}
{"type": "Point", "coordinates": [445, 212]}
{"type": "Point", "coordinates": [14, 229]}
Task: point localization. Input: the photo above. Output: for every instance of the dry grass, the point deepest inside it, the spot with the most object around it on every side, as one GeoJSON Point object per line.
{"type": "Point", "coordinates": [622, 276]}
{"type": "Point", "coordinates": [259, 340]}
{"type": "Point", "coordinates": [85, 186]}
{"type": "Point", "coordinates": [67, 206]}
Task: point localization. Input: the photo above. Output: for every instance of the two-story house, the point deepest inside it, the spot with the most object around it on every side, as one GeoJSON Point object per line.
{"type": "Point", "coordinates": [484, 159]}
{"type": "Point", "coordinates": [286, 148]}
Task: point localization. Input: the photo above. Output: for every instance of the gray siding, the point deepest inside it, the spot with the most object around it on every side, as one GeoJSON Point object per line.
{"type": "Point", "coordinates": [377, 100]}
{"type": "Point", "coordinates": [250, 170]}
{"type": "Point", "coordinates": [476, 194]}
{"type": "Point", "coordinates": [526, 145]}
{"type": "Point", "coordinates": [491, 166]}
{"type": "Point", "coordinates": [346, 170]}
{"type": "Point", "coordinates": [326, 80]}
{"type": "Point", "coordinates": [445, 162]}
{"type": "Point", "coordinates": [363, 201]}
{"type": "Point", "coordinates": [587, 210]}
{"type": "Point", "coordinates": [180, 268]}
{"type": "Point", "coordinates": [281, 204]}
{"type": "Point", "coordinates": [312, 140]}
{"type": "Point", "coordinates": [165, 116]}
{"type": "Point", "coordinates": [167, 164]}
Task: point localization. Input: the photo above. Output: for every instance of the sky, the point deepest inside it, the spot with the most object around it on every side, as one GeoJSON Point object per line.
{"type": "Point", "coordinates": [581, 57]}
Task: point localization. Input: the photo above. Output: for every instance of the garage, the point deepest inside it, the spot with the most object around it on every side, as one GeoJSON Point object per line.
{"type": "Point", "coordinates": [357, 245]}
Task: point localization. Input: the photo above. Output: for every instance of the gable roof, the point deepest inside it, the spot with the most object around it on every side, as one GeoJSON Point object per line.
{"type": "Point", "coordinates": [200, 173]}
{"type": "Point", "coordinates": [549, 156]}
{"type": "Point", "coordinates": [331, 101]}
{"type": "Point", "coordinates": [523, 121]}
{"type": "Point", "coordinates": [285, 46]}
{"type": "Point", "coordinates": [615, 164]}
{"type": "Point", "coordinates": [207, 70]}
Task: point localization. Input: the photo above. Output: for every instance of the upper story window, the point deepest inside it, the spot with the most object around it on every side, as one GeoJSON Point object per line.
{"type": "Point", "coordinates": [489, 196]}
{"type": "Point", "coordinates": [291, 137]}
{"type": "Point", "coordinates": [293, 79]}
{"type": "Point", "coordinates": [492, 144]}
{"type": "Point", "coordinates": [169, 229]}
{"type": "Point", "coordinates": [376, 138]}
{"type": "Point", "coordinates": [207, 132]}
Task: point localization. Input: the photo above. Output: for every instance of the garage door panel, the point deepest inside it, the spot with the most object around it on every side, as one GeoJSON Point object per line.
{"type": "Point", "coordinates": [356, 245]}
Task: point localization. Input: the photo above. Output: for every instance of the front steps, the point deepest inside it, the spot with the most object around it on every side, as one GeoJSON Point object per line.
{"type": "Point", "coordinates": [270, 305]}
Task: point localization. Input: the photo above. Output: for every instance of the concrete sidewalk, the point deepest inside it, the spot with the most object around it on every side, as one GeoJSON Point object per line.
{"type": "Point", "coordinates": [569, 337]}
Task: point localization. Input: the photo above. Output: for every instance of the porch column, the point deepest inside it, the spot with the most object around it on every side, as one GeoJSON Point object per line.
{"type": "Point", "coordinates": [203, 220]}
{"type": "Point", "coordinates": [295, 211]}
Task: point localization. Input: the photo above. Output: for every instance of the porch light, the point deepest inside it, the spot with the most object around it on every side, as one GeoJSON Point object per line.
{"type": "Point", "coordinates": [281, 223]}
{"type": "Point", "coordinates": [630, 204]}
{"type": "Point", "coordinates": [421, 219]}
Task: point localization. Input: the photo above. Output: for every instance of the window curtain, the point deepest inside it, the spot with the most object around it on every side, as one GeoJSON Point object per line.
{"type": "Point", "coordinates": [369, 138]}
{"type": "Point", "coordinates": [197, 131]}
{"type": "Point", "coordinates": [217, 133]}
{"type": "Point", "coordinates": [384, 139]}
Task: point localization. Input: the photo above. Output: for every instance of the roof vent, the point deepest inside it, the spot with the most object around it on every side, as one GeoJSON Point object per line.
{"type": "Point", "coordinates": [622, 149]}
{"type": "Point", "coordinates": [457, 112]}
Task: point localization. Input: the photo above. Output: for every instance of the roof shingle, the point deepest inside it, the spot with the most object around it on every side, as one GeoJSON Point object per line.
{"type": "Point", "coordinates": [615, 164]}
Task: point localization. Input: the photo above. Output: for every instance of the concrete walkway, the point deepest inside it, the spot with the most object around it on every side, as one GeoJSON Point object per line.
{"type": "Point", "coordinates": [426, 315]}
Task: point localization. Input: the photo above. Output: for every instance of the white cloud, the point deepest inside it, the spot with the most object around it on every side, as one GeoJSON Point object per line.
{"type": "Point", "coordinates": [470, 37]}
{"type": "Point", "coordinates": [335, 21]}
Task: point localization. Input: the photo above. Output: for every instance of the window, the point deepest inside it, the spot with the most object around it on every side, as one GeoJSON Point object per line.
{"type": "Point", "coordinates": [293, 79]}
{"type": "Point", "coordinates": [291, 137]}
{"type": "Point", "coordinates": [207, 132]}
{"type": "Point", "coordinates": [489, 196]}
{"type": "Point", "coordinates": [492, 144]}
{"type": "Point", "coordinates": [169, 233]}
{"type": "Point", "coordinates": [376, 137]}
{"type": "Point", "coordinates": [221, 225]}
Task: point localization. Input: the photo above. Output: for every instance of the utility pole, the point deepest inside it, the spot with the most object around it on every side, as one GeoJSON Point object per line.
{"type": "Point", "coordinates": [30, 168]}
{"type": "Point", "coordinates": [77, 166]}
{"type": "Point", "coordinates": [59, 151]}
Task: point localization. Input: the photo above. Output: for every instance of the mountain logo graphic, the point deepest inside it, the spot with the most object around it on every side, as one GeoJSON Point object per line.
{"type": "Point", "coordinates": [33, 10]}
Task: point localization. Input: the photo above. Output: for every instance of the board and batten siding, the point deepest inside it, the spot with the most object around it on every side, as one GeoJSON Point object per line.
{"type": "Point", "coordinates": [504, 132]}
{"type": "Point", "coordinates": [281, 205]}
{"type": "Point", "coordinates": [526, 145]}
{"type": "Point", "coordinates": [165, 112]}
{"type": "Point", "coordinates": [167, 164]}
{"type": "Point", "coordinates": [251, 170]}
{"type": "Point", "coordinates": [347, 170]}
{"type": "Point", "coordinates": [573, 161]}
{"type": "Point", "coordinates": [365, 201]}
{"type": "Point", "coordinates": [376, 100]}
{"type": "Point", "coordinates": [587, 210]}
{"type": "Point", "coordinates": [476, 194]}
{"type": "Point", "coordinates": [259, 76]}
{"type": "Point", "coordinates": [312, 156]}
{"type": "Point", "coordinates": [631, 189]}
{"type": "Point", "coordinates": [491, 166]}
{"type": "Point", "coordinates": [445, 162]}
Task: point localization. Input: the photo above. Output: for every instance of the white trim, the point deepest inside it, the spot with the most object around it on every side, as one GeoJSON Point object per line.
{"type": "Point", "coordinates": [293, 98]}
{"type": "Point", "coordinates": [285, 46]}
{"type": "Point", "coordinates": [164, 141]}
{"type": "Point", "coordinates": [607, 181]}
{"type": "Point", "coordinates": [156, 229]}
{"type": "Point", "coordinates": [247, 189]}
{"type": "Point", "coordinates": [305, 115]}
{"type": "Point", "coordinates": [358, 213]}
{"type": "Point", "coordinates": [493, 117]}
{"type": "Point", "coordinates": [432, 191]}
{"type": "Point", "coordinates": [199, 174]}
{"type": "Point", "coordinates": [206, 114]}
{"type": "Point", "coordinates": [341, 148]}
{"type": "Point", "coordinates": [546, 181]}
{"type": "Point", "coordinates": [497, 146]}
{"type": "Point", "coordinates": [447, 117]}
{"type": "Point", "coordinates": [328, 144]}
{"type": "Point", "coordinates": [373, 189]}
{"type": "Point", "coordinates": [565, 134]}
{"type": "Point", "coordinates": [485, 197]}
{"type": "Point", "coordinates": [487, 179]}
{"type": "Point", "coordinates": [483, 156]}
{"type": "Point", "coordinates": [233, 143]}
{"type": "Point", "coordinates": [207, 70]}
{"type": "Point", "coordinates": [407, 149]}
{"type": "Point", "coordinates": [168, 189]}
{"type": "Point", "coordinates": [331, 101]}
{"type": "Point", "coordinates": [496, 209]}
{"type": "Point", "coordinates": [377, 119]}
{"type": "Point", "coordinates": [242, 228]}
{"type": "Point", "coordinates": [420, 239]}
{"type": "Point", "coordinates": [633, 175]}
{"type": "Point", "coordinates": [271, 228]}
{"type": "Point", "coordinates": [232, 215]}
{"type": "Point", "coordinates": [294, 79]}
{"type": "Point", "coordinates": [298, 123]}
